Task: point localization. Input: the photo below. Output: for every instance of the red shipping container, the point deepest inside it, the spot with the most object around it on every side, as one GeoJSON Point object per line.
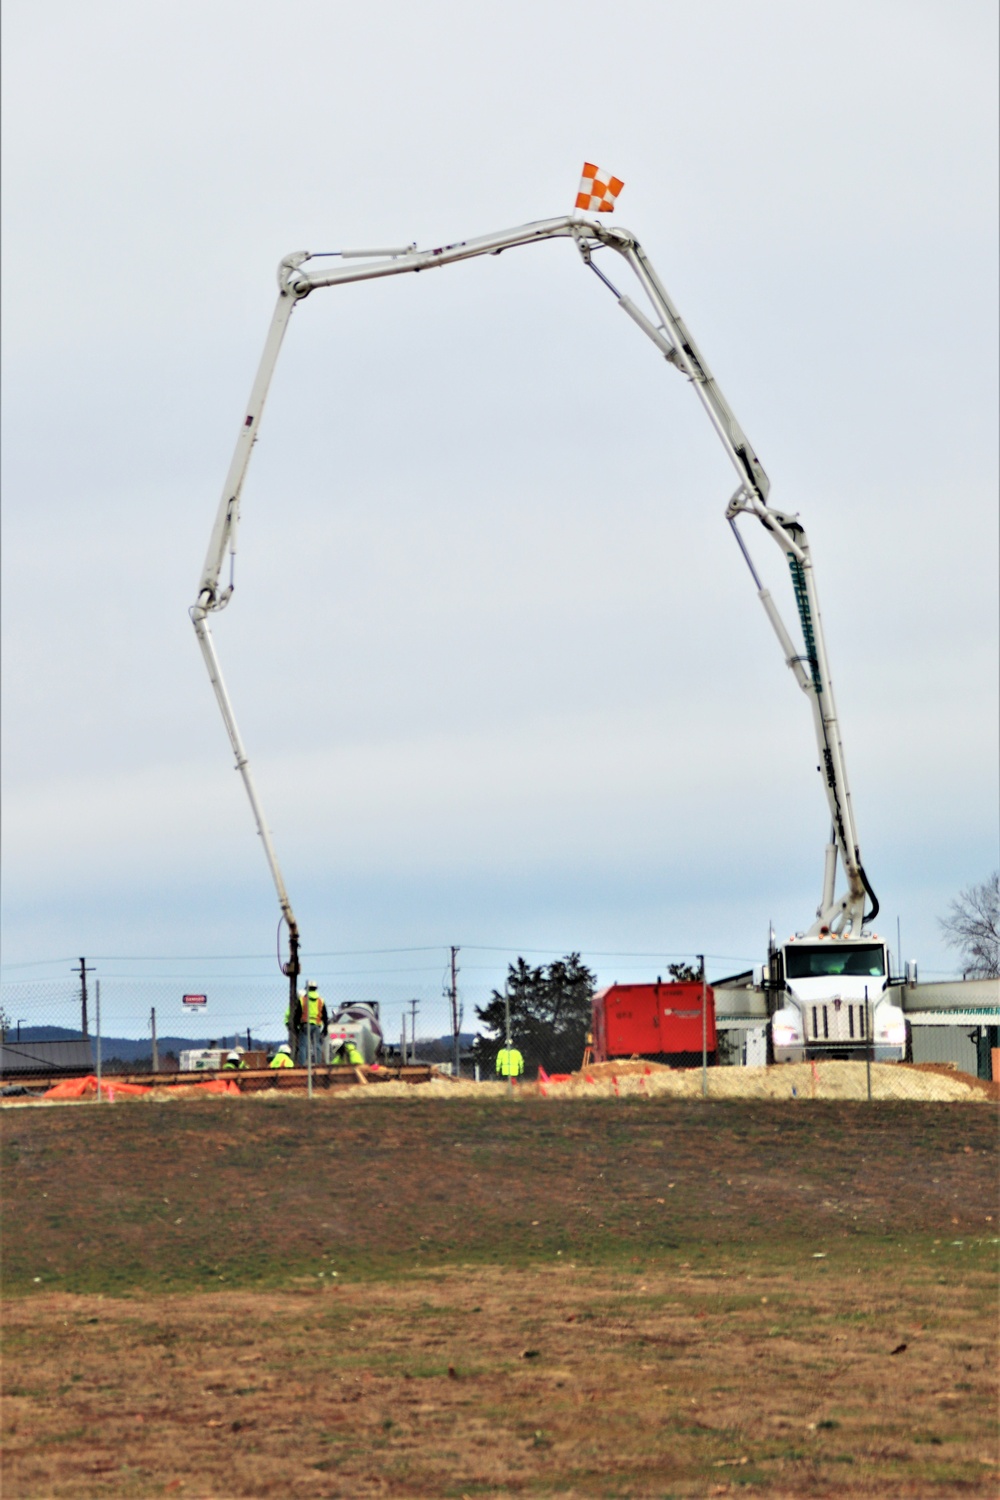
{"type": "Point", "coordinates": [657, 1021]}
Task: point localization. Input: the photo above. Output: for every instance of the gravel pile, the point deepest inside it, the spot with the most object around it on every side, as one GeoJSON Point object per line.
{"type": "Point", "coordinates": [822, 1080]}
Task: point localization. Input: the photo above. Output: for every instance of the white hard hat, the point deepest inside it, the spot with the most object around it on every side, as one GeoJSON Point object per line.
{"type": "Point", "coordinates": [233, 1057]}
{"type": "Point", "coordinates": [285, 1048]}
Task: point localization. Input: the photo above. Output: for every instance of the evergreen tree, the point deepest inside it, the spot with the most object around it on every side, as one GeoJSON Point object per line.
{"type": "Point", "coordinates": [549, 1015]}
{"type": "Point", "coordinates": [683, 973]}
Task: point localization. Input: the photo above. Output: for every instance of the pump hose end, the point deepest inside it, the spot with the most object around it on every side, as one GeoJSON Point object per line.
{"type": "Point", "coordinates": [290, 968]}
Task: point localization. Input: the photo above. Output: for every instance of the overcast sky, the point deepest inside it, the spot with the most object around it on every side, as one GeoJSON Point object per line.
{"type": "Point", "coordinates": [497, 660]}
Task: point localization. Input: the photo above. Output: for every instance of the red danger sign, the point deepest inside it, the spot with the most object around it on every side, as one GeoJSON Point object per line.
{"type": "Point", "coordinates": [195, 999]}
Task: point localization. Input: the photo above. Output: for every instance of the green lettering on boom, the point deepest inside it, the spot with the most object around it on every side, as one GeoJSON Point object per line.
{"type": "Point", "coordinates": [805, 616]}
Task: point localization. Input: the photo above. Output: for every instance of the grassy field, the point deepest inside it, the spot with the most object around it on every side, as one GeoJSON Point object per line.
{"type": "Point", "coordinates": [263, 1297]}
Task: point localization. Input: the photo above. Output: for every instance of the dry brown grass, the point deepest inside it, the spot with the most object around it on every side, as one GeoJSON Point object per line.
{"type": "Point", "coordinates": [611, 1298]}
{"type": "Point", "coordinates": [485, 1381]}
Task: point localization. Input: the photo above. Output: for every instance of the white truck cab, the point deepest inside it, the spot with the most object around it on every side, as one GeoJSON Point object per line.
{"type": "Point", "coordinates": [831, 997]}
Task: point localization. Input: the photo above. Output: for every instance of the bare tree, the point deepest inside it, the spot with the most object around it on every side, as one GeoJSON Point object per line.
{"type": "Point", "coordinates": [973, 927]}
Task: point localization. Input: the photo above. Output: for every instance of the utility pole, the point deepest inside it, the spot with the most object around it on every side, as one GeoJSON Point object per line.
{"type": "Point", "coordinates": [402, 1040]}
{"type": "Point", "coordinates": [83, 972]}
{"type": "Point", "coordinates": [704, 1029]}
{"type": "Point", "coordinates": [156, 1054]}
{"type": "Point", "coordinates": [413, 1030]}
{"type": "Point", "coordinates": [453, 992]}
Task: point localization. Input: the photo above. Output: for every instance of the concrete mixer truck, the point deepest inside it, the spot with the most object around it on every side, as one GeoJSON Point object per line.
{"type": "Point", "coordinates": [358, 1023]}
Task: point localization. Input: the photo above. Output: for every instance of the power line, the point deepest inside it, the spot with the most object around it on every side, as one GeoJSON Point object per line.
{"type": "Point", "coordinates": [727, 958]}
{"type": "Point", "coordinates": [159, 958]}
{"type": "Point", "coordinates": [37, 963]}
{"type": "Point", "coordinates": [204, 958]}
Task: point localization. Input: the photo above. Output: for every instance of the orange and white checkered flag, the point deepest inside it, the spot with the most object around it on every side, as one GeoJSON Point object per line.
{"type": "Point", "coordinates": [598, 191]}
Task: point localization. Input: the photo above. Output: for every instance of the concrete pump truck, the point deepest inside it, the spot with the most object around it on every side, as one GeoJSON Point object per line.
{"type": "Point", "coordinates": [826, 986]}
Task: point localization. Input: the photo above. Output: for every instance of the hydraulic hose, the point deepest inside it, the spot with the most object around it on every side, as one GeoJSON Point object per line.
{"type": "Point", "coordinates": [870, 916]}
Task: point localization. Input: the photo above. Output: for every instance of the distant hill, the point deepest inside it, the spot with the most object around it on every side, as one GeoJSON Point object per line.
{"type": "Point", "coordinates": [131, 1049]}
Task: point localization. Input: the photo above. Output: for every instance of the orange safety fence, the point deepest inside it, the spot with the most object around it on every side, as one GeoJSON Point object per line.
{"type": "Point", "coordinates": [78, 1088]}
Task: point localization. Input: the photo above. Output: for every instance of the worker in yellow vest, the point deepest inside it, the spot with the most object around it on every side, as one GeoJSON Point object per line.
{"type": "Point", "coordinates": [293, 1026]}
{"type": "Point", "coordinates": [234, 1060]}
{"type": "Point", "coordinates": [510, 1063]}
{"type": "Point", "coordinates": [348, 1055]}
{"type": "Point", "coordinates": [282, 1058]}
{"type": "Point", "coordinates": [314, 1022]}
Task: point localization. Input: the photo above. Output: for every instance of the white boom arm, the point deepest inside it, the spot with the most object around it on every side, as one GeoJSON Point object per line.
{"type": "Point", "coordinates": [296, 279]}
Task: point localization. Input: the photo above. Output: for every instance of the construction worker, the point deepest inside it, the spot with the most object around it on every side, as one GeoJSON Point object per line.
{"type": "Point", "coordinates": [510, 1063]}
{"type": "Point", "coordinates": [314, 1023]}
{"type": "Point", "coordinates": [293, 1025]}
{"type": "Point", "coordinates": [345, 1053]}
{"type": "Point", "coordinates": [234, 1060]}
{"type": "Point", "coordinates": [282, 1058]}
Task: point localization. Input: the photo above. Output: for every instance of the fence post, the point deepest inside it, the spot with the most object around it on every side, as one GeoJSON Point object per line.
{"type": "Point", "coordinates": [156, 1052]}
{"type": "Point", "coordinates": [506, 1012]}
{"type": "Point", "coordinates": [97, 989]}
{"type": "Point", "coordinates": [704, 1029]}
{"type": "Point", "coordinates": [306, 1013]}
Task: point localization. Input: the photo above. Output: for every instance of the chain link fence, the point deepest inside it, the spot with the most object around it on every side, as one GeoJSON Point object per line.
{"type": "Point", "coordinates": [51, 1026]}
{"type": "Point", "coordinates": [55, 1025]}
{"type": "Point", "coordinates": [45, 1026]}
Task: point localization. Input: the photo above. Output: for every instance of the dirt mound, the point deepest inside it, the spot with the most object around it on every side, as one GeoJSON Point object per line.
{"type": "Point", "coordinates": [989, 1088]}
{"type": "Point", "coordinates": [437, 1088]}
{"type": "Point", "coordinates": [923, 1082]}
{"type": "Point", "coordinates": [820, 1080]}
{"type": "Point", "coordinates": [622, 1068]}
{"type": "Point", "coordinates": [647, 1080]}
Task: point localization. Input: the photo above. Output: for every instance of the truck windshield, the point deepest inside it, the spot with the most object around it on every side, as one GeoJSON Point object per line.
{"type": "Point", "coordinates": [859, 959]}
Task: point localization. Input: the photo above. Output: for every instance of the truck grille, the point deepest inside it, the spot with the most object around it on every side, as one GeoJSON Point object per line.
{"type": "Point", "coordinates": [836, 1021]}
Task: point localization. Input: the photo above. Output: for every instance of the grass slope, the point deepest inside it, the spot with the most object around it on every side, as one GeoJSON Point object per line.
{"type": "Point", "coordinates": [644, 1300]}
